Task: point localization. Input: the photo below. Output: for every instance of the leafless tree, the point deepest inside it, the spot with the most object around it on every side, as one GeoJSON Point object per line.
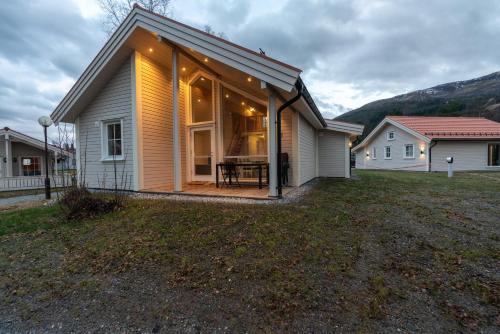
{"type": "Point", "coordinates": [115, 11]}
{"type": "Point", "coordinates": [208, 29]}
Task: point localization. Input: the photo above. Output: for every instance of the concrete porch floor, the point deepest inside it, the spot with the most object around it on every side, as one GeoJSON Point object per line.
{"type": "Point", "coordinates": [209, 189]}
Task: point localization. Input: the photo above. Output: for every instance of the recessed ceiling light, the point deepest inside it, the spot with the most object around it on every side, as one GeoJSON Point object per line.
{"type": "Point", "coordinates": [249, 79]}
{"type": "Point", "coordinates": [227, 96]}
{"type": "Point", "coordinates": [206, 60]}
{"type": "Point", "coordinates": [150, 49]}
{"type": "Point", "coordinates": [202, 79]}
{"type": "Point", "coordinates": [199, 100]}
{"type": "Point", "coordinates": [242, 103]}
{"type": "Point", "coordinates": [183, 69]}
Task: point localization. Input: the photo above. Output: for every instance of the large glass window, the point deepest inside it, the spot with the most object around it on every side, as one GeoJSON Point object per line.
{"type": "Point", "coordinates": [31, 166]}
{"type": "Point", "coordinates": [494, 154]}
{"type": "Point", "coordinates": [244, 127]}
{"type": "Point", "coordinates": [201, 100]}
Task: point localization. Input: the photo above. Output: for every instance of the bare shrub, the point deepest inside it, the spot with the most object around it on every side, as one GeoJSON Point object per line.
{"type": "Point", "coordinates": [80, 203]}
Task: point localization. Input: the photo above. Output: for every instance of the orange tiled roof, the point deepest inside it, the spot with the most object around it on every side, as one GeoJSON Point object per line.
{"type": "Point", "coordinates": [450, 127]}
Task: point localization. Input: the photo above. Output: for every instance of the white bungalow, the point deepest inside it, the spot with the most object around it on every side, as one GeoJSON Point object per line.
{"type": "Point", "coordinates": [420, 143]}
{"type": "Point", "coordinates": [171, 105]}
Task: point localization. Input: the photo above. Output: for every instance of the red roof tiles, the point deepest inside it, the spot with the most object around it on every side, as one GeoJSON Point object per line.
{"type": "Point", "coordinates": [450, 127]}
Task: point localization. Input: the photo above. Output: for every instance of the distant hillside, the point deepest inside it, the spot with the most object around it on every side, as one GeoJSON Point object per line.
{"type": "Point", "coordinates": [476, 97]}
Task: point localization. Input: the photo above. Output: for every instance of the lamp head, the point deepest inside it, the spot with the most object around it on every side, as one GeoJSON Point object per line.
{"type": "Point", "coordinates": [45, 121]}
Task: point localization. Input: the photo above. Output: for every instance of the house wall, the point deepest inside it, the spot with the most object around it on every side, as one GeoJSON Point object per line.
{"type": "Point", "coordinates": [287, 141]}
{"type": "Point", "coordinates": [307, 151]}
{"type": "Point", "coordinates": [20, 150]}
{"type": "Point", "coordinates": [332, 158]}
{"type": "Point", "coordinates": [113, 102]}
{"type": "Point", "coordinates": [398, 160]}
{"type": "Point", "coordinates": [157, 125]}
{"type": "Point", "coordinates": [3, 171]}
{"type": "Point", "coordinates": [467, 155]}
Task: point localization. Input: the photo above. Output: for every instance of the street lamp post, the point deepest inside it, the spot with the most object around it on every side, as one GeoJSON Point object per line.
{"type": "Point", "coordinates": [45, 122]}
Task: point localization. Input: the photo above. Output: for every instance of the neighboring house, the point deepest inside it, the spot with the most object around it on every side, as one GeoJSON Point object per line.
{"type": "Point", "coordinates": [162, 103]}
{"type": "Point", "coordinates": [22, 155]}
{"type": "Point", "coordinates": [421, 143]}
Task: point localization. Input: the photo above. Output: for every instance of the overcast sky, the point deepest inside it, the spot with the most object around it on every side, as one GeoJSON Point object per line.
{"type": "Point", "coordinates": [352, 52]}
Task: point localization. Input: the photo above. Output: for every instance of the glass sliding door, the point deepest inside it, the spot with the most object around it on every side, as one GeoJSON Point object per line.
{"type": "Point", "coordinates": [244, 127]}
{"type": "Point", "coordinates": [244, 131]}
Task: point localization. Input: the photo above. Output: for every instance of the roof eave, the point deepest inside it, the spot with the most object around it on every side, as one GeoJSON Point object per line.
{"type": "Point", "coordinates": [261, 68]}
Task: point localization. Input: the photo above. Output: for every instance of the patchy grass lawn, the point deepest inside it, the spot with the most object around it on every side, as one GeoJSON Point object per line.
{"type": "Point", "coordinates": [410, 251]}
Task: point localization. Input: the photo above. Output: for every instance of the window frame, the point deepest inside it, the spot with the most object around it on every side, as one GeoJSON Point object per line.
{"type": "Point", "coordinates": [105, 156]}
{"type": "Point", "coordinates": [488, 154]}
{"type": "Point", "coordinates": [389, 135]}
{"type": "Point", "coordinates": [374, 153]}
{"type": "Point", "coordinates": [197, 76]}
{"type": "Point", "coordinates": [385, 153]}
{"type": "Point", "coordinates": [40, 165]}
{"type": "Point", "coordinates": [405, 156]}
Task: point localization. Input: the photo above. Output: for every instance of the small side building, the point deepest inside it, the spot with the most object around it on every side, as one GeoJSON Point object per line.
{"type": "Point", "coordinates": [418, 143]}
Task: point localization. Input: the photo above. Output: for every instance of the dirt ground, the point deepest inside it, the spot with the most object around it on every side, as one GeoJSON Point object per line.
{"type": "Point", "coordinates": [390, 252]}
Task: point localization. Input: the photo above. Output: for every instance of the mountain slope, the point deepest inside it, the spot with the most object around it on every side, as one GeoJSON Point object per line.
{"type": "Point", "coordinates": [476, 97]}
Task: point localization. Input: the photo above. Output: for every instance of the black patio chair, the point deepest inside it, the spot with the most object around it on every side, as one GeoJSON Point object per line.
{"type": "Point", "coordinates": [230, 174]}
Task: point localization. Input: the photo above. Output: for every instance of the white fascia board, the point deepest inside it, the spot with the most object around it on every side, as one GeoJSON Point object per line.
{"type": "Point", "coordinates": [263, 69]}
{"type": "Point", "coordinates": [350, 128]}
{"type": "Point", "coordinates": [86, 78]}
{"type": "Point", "coordinates": [392, 122]}
{"type": "Point", "coordinates": [31, 141]}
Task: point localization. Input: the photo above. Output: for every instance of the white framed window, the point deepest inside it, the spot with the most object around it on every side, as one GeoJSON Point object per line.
{"type": "Point", "coordinates": [202, 104]}
{"type": "Point", "coordinates": [374, 153]}
{"type": "Point", "coordinates": [387, 152]}
{"type": "Point", "coordinates": [391, 135]}
{"type": "Point", "coordinates": [112, 140]}
{"type": "Point", "coordinates": [409, 151]}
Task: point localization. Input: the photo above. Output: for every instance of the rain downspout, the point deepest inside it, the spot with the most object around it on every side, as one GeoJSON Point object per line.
{"type": "Point", "coordinates": [433, 143]}
{"type": "Point", "coordinates": [300, 89]}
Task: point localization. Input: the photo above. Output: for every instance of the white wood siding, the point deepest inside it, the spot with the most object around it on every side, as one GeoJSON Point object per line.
{"type": "Point", "coordinates": [467, 155]}
{"type": "Point", "coordinates": [307, 151]}
{"type": "Point", "coordinates": [157, 126]}
{"type": "Point", "coordinates": [113, 102]}
{"type": "Point", "coordinates": [332, 154]}
{"type": "Point", "coordinates": [287, 140]}
{"type": "Point", "coordinates": [157, 139]}
{"type": "Point", "coordinates": [398, 160]}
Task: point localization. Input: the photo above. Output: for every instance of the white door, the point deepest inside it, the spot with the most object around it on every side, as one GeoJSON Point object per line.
{"type": "Point", "coordinates": [202, 154]}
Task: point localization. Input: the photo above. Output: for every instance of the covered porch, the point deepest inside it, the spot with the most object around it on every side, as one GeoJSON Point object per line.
{"type": "Point", "coordinates": [212, 115]}
{"type": "Point", "coordinates": [210, 190]}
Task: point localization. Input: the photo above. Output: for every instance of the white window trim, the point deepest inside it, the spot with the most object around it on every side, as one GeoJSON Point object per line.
{"type": "Point", "coordinates": [385, 153]}
{"type": "Point", "coordinates": [374, 153]}
{"type": "Point", "coordinates": [20, 164]}
{"type": "Point", "coordinates": [104, 140]}
{"type": "Point", "coordinates": [393, 137]}
{"type": "Point", "coordinates": [413, 151]}
{"type": "Point", "coordinates": [195, 77]}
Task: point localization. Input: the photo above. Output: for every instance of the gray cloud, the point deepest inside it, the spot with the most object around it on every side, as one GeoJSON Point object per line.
{"type": "Point", "coordinates": [44, 47]}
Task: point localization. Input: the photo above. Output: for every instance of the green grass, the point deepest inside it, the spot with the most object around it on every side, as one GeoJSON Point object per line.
{"type": "Point", "coordinates": [29, 220]}
{"type": "Point", "coordinates": [352, 252]}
